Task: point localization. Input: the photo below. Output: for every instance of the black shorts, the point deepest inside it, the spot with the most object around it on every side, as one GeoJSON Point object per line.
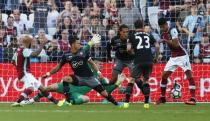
{"type": "Point", "coordinates": [142, 70]}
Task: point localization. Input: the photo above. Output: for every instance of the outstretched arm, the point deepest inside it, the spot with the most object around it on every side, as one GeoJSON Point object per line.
{"type": "Point", "coordinates": [54, 70]}
{"type": "Point", "coordinates": [94, 66]}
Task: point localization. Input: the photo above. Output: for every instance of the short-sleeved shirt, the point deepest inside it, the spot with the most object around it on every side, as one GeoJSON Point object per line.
{"type": "Point", "coordinates": [142, 43]}
{"type": "Point", "coordinates": [171, 35]}
{"type": "Point", "coordinates": [120, 48]}
{"type": "Point", "coordinates": [79, 62]}
{"type": "Point", "coordinates": [22, 61]}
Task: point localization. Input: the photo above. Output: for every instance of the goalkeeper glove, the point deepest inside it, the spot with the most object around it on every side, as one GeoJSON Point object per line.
{"type": "Point", "coordinates": [95, 40]}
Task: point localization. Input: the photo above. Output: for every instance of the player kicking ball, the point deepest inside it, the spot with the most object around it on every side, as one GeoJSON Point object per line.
{"type": "Point", "coordinates": [179, 58]}
{"type": "Point", "coordinates": [21, 60]}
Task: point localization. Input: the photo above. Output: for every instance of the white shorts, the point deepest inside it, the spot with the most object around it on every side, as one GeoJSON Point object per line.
{"type": "Point", "coordinates": [30, 81]}
{"type": "Point", "coordinates": [180, 61]}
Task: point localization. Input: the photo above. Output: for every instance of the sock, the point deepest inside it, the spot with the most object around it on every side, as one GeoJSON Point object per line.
{"type": "Point", "coordinates": [50, 97]}
{"type": "Point", "coordinates": [65, 87]}
{"type": "Point", "coordinates": [110, 88]}
{"type": "Point", "coordinates": [38, 96]}
{"type": "Point", "coordinates": [24, 95]}
{"type": "Point", "coordinates": [111, 99]}
{"type": "Point", "coordinates": [192, 87]}
{"type": "Point", "coordinates": [163, 87]}
{"type": "Point", "coordinates": [66, 90]}
{"type": "Point", "coordinates": [146, 92]}
{"type": "Point", "coordinates": [139, 83]}
{"type": "Point", "coordinates": [128, 92]}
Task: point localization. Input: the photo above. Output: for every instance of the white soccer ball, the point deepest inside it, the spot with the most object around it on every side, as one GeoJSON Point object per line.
{"type": "Point", "coordinates": [176, 93]}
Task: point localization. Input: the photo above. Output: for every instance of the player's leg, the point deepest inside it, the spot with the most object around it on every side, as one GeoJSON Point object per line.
{"type": "Point", "coordinates": [28, 80]}
{"type": "Point", "coordinates": [117, 69]}
{"type": "Point", "coordinates": [135, 74]}
{"type": "Point", "coordinates": [146, 71]}
{"type": "Point", "coordinates": [163, 86]}
{"type": "Point", "coordinates": [23, 96]}
{"type": "Point", "coordinates": [51, 88]}
{"type": "Point", "coordinates": [185, 65]}
{"type": "Point", "coordinates": [66, 89]}
{"type": "Point", "coordinates": [192, 100]}
{"type": "Point", "coordinates": [100, 89]}
{"type": "Point", "coordinates": [110, 87]}
{"type": "Point", "coordinates": [48, 95]}
{"type": "Point", "coordinates": [170, 67]}
{"type": "Point", "coordinates": [96, 85]}
{"type": "Point", "coordinates": [78, 99]}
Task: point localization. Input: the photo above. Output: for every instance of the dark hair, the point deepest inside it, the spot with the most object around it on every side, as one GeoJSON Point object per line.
{"type": "Point", "coordinates": [123, 26]}
{"type": "Point", "coordinates": [73, 40]}
{"type": "Point", "coordinates": [162, 21]}
{"type": "Point", "coordinates": [139, 24]}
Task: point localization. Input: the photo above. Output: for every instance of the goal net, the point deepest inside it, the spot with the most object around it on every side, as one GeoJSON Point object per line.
{"type": "Point", "coordinates": [59, 20]}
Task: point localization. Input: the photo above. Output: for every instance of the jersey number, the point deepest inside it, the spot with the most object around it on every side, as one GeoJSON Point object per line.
{"type": "Point", "coordinates": [140, 45]}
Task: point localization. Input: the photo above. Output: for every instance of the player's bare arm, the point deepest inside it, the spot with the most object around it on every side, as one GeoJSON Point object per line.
{"type": "Point", "coordinates": [157, 50]}
{"type": "Point", "coordinates": [174, 43]}
{"type": "Point", "coordinates": [94, 66]}
{"type": "Point", "coordinates": [54, 70]}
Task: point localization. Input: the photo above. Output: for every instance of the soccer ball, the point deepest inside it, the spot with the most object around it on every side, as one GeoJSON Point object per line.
{"type": "Point", "coordinates": [176, 93]}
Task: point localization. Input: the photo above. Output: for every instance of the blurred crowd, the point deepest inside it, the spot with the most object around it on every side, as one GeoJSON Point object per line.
{"type": "Point", "coordinates": [59, 20]}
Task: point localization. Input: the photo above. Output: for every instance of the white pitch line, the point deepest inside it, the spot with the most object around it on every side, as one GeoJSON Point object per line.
{"type": "Point", "coordinates": [108, 111]}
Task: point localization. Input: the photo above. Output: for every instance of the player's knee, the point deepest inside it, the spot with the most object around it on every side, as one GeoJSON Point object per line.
{"type": "Point", "coordinates": [86, 99]}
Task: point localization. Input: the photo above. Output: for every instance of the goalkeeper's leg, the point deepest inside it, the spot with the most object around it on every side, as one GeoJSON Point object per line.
{"type": "Point", "coordinates": [78, 99]}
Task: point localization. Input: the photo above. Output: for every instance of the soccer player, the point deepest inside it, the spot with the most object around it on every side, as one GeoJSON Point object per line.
{"type": "Point", "coordinates": [21, 60]}
{"type": "Point", "coordinates": [123, 56]}
{"type": "Point", "coordinates": [179, 58]}
{"type": "Point", "coordinates": [143, 62]}
{"type": "Point", "coordinates": [79, 59]}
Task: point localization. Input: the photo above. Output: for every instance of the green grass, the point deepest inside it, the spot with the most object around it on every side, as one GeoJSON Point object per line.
{"type": "Point", "coordinates": [103, 112]}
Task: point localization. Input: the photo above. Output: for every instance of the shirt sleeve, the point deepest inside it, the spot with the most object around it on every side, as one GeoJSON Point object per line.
{"type": "Point", "coordinates": [27, 52]}
{"type": "Point", "coordinates": [63, 60]}
{"type": "Point", "coordinates": [174, 33]}
{"type": "Point", "coordinates": [152, 39]}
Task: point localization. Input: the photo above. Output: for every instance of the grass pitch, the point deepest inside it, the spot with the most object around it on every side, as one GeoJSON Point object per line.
{"type": "Point", "coordinates": [105, 112]}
